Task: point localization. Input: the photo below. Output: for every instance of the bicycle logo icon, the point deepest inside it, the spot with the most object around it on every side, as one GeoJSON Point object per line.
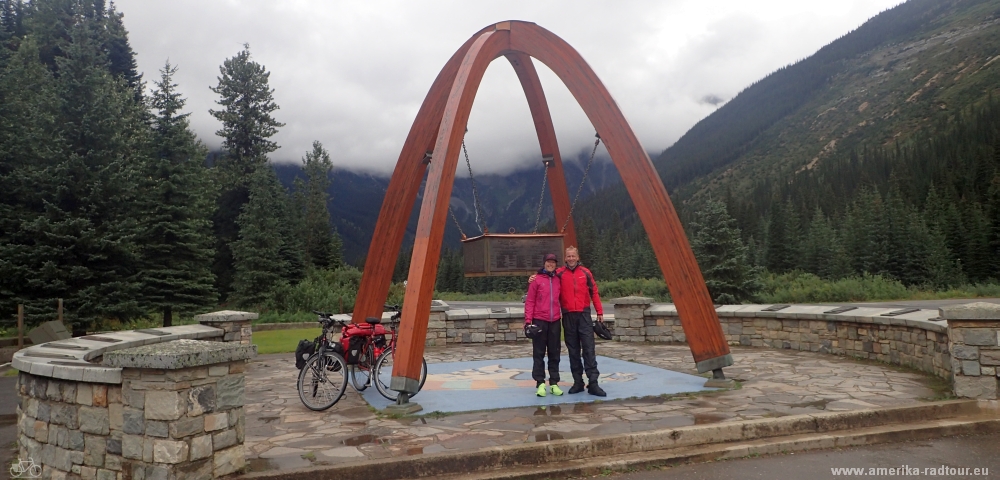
{"type": "Point", "coordinates": [23, 469]}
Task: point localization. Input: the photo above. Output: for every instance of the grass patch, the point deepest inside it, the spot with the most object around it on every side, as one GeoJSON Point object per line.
{"type": "Point", "coordinates": [283, 341]}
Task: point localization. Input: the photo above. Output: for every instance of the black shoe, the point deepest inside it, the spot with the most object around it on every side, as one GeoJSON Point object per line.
{"type": "Point", "coordinates": [576, 388]}
{"type": "Point", "coordinates": [594, 389]}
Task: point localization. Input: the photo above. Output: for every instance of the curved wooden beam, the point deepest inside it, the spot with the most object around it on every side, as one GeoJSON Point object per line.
{"type": "Point", "coordinates": [555, 174]}
{"type": "Point", "coordinates": [687, 287]}
{"type": "Point", "coordinates": [666, 234]}
{"type": "Point", "coordinates": [402, 192]}
{"type": "Point", "coordinates": [434, 209]}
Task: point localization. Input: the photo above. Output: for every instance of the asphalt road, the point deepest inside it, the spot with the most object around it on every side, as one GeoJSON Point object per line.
{"type": "Point", "coordinates": [954, 452]}
{"type": "Point", "coordinates": [610, 309]}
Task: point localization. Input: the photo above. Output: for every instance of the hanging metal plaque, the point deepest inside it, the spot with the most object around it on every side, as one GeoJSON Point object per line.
{"type": "Point", "coordinates": [502, 255]}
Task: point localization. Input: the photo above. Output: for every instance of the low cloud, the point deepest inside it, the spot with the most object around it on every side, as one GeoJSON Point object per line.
{"type": "Point", "coordinates": [353, 74]}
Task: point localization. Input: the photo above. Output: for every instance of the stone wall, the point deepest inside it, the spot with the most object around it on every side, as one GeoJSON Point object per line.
{"type": "Point", "coordinates": [171, 410]}
{"type": "Point", "coordinates": [158, 424]}
{"type": "Point", "coordinates": [916, 342]}
{"type": "Point", "coordinates": [975, 348]}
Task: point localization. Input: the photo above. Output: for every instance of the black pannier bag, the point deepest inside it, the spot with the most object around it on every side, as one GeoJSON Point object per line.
{"type": "Point", "coordinates": [380, 341]}
{"type": "Point", "coordinates": [305, 350]}
{"type": "Point", "coordinates": [354, 347]}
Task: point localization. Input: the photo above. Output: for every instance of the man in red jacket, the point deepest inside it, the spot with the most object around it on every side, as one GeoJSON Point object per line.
{"type": "Point", "coordinates": [578, 290]}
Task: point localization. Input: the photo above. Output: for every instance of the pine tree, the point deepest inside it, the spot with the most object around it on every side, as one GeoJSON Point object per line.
{"type": "Point", "coordinates": [176, 206]}
{"type": "Point", "coordinates": [321, 242]}
{"type": "Point", "coordinates": [783, 234]}
{"type": "Point", "coordinates": [722, 256]}
{"type": "Point", "coordinates": [247, 126]}
{"type": "Point", "coordinates": [257, 252]}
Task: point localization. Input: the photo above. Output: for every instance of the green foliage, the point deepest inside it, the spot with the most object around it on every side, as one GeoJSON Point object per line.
{"type": "Point", "coordinates": [259, 266]}
{"type": "Point", "coordinates": [799, 287]}
{"type": "Point", "coordinates": [729, 274]}
{"type": "Point", "coordinates": [247, 126]}
{"type": "Point", "coordinates": [324, 290]}
{"type": "Point", "coordinates": [321, 244]}
{"type": "Point", "coordinates": [644, 287]}
{"type": "Point", "coordinates": [174, 234]}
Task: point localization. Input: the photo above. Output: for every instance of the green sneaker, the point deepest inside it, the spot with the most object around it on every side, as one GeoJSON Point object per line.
{"type": "Point", "coordinates": [541, 390]}
{"type": "Point", "coordinates": [556, 390]}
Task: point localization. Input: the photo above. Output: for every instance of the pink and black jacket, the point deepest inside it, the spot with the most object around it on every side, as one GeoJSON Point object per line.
{"type": "Point", "coordinates": [542, 302]}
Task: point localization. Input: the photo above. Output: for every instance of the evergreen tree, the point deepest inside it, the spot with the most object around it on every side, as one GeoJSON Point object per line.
{"type": "Point", "coordinates": [175, 227]}
{"type": "Point", "coordinates": [322, 244]}
{"type": "Point", "coordinates": [722, 256]}
{"type": "Point", "coordinates": [782, 239]}
{"type": "Point", "coordinates": [247, 126]}
{"type": "Point", "coordinates": [257, 252]}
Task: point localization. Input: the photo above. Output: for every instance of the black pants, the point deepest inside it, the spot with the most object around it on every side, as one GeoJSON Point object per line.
{"type": "Point", "coordinates": [547, 340]}
{"type": "Point", "coordinates": [580, 342]}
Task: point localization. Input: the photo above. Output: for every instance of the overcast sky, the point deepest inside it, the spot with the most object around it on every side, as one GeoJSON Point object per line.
{"type": "Point", "coordinates": [352, 74]}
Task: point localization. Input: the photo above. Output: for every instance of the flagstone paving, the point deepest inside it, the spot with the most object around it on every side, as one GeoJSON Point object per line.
{"type": "Point", "coordinates": [282, 433]}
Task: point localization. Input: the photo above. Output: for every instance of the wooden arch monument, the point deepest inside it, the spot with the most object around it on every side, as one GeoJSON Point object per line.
{"type": "Point", "coordinates": [435, 140]}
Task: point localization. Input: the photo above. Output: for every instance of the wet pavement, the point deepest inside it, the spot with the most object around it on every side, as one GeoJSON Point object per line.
{"type": "Point", "coordinates": [281, 433]}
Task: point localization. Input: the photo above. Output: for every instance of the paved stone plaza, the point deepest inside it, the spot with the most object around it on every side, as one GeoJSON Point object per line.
{"type": "Point", "coordinates": [281, 433]}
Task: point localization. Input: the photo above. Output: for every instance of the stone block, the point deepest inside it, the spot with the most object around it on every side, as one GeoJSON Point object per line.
{"type": "Point", "coordinates": [164, 405]}
{"type": "Point", "coordinates": [224, 439]}
{"type": "Point", "coordinates": [74, 440]}
{"type": "Point", "coordinates": [216, 421]}
{"type": "Point", "coordinates": [201, 470]}
{"type": "Point", "coordinates": [970, 368]}
{"type": "Point", "coordinates": [989, 357]}
{"type": "Point", "coordinates": [147, 449]}
{"type": "Point", "coordinates": [56, 457]}
{"type": "Point", "coordinates": [187, 426]}
{"type": "Point", "coordinates": [115, 416]}
{"type": "Point", "coordinates": [104, 474]}
{"type": "Point", "coordinates": [133, 421]}
{"type": "Point", "coordinates": [201, 447]}
{"type": "Point", "coordinates": [980, 336]}
{"type": "Point", "coordinates": [85, 394]}
{"type": "Point", "coordinates": [965, 352]}
{"type": "Point", "coordinates": [94, 420]}
{"type": "Point", "coordinates": [86, 473]}
{"type": "Point", "coordinates": [971, 311]}
{"type": "Point", "coordinates": [114, 446]}
{"type": "Point", "coordinates": [132, 446]}
{"type": "Point", "coordinates": [201, 400]}
{"type": "Point", "coordinates": [170, 451]}
{"type": "Point", "coordinates": [95, 447]}
{"type": "Point", "coordinates": [41, 431]}
{"type": "Point", "coordinates": [976, 387]}
{"type": "Point", "coordinates": [179, 354]}
{"type": "Point", "coordinates": [113, 462]}
{"type": "Point", "coordinates": [218, 370]}
{"type": "Point", "coordinates": [156, 429]}
{"type": "Point", "coordinates": [133, 398]}
{"type": "Point", "coordinates": [64, 414]}
{"type": "Point", "coordinates": [229, 392]}
{"type": "Point", "coordinates": [228, 461]}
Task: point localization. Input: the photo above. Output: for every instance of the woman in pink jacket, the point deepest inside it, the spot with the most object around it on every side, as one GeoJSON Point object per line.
{"type": "Point", "coordinates": [541, 324]}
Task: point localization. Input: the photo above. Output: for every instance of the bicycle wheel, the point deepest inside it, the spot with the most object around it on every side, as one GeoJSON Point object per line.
{"type": "Point", "coordinates": [361, 374]}
{"type": "Point", "coordinates": [322, 381]}
{"type": "Point", "coordinates": [383, 375]}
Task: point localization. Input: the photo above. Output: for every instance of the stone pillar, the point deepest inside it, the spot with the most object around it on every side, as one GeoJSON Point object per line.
{"type": "Point", "coordinates": [974, 343]}
{"type": "Point", "coordinates": [182, 409]}
{"type": "Point", "coordinates": [236, 325]}
{"type": "Point", "coordinates": [630, 326]}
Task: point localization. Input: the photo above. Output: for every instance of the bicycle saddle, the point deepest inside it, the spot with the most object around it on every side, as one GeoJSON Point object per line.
{"type": "Point", "coordinates": [373, 321]}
